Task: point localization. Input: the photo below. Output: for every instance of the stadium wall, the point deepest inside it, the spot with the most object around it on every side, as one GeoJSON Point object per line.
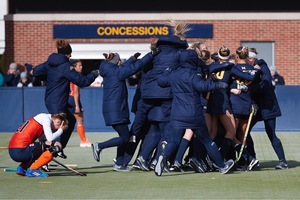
{"type": "Point", "coordinates": [18, 104]}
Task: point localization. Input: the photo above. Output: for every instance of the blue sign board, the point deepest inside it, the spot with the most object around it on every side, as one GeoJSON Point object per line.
{"type": "Point", "coordinates": [127, 31]}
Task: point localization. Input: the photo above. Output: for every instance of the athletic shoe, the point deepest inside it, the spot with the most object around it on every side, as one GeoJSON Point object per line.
{"type": "Point", "coordinates": [241, 168]}
{"type": "Point", "coordinates": [142, 163]}
{"type": "Point", "coordinates": [282, 165]}
{"type": "Point", "coordinates": [178, 166]}
{"type": "Point", "coordinates": [153, 163]}
{"type": "Point", "coordinates": [61, 154]}
{"type": "Point", "coordinates": [196, 165]}
{"type": "Point", "coordinates": [45, 168]}
{"type": "Point", "coordinates": [254, 162]}
{"type": "Point", "coordinates": [121, 168]}
{"type": "Point", "coordinates": [87, 143]}
{"type": "Point", "coordinates": [96, 151]}
{"type": "Point", "coordinates": [35, 173]}
{"type": "Point", "coordinates": [167, 169]}
{"type": "Point", "coordinates": [204, 165]}
{"type": "Point", "coordinates": [160, 165]}
{"type": "Point", "coordinates": [228, 165]}
{"type": "Point", "coordinates": [21, 171]}
{"type": "Point", "coordinates": [136, 166]}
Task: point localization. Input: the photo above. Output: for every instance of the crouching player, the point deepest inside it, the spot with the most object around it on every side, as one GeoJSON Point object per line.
{"type": "Point", "coordinates": [34, 145]}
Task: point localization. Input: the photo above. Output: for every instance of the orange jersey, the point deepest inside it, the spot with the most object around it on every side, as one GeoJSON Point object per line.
{"type": "Point", "coordinates": [26, 134]}
{"type": "Point", "coordinates": [72, 90]}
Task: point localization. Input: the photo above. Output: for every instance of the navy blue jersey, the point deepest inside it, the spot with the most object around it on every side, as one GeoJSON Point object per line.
{"type": "Point", "coordinates": [218, 102]}
{"type": "Point", "coordinates": [242, 74]}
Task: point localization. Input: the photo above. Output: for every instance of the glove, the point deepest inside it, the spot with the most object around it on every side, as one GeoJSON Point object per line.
{"type": "Point", "coordinates": [137, 54]}
{"type": "Point", "coordinates": [155, 51]}
{"type": "Point", "coordinates": [252, 72]}
{"type": "Point", "coordinates": [213, 77]}
{"type": "Point", "coordinates": [242, 87]}
{"type": "Point", "coordinates": [95, 73]}
{"type": "Point", "coordinates": [221, 85]}
{"type": "Point", "coordinates": [254, 108]}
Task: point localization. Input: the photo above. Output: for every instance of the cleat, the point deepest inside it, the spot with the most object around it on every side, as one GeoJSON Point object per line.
{"type": "Point", "coordinates": [187, 166]}
{"type": "Point", "coordinates": [160, 165]}
{"type": "Point", "coordinates": [121, 168]}
{"type": "Point", "coordinates": [204, 165]}
{"type": "Point", "coordinates": [254, 162]}
{"type": "Point", "coordinates": [132, 139]}
{"type": "Point", "coordinates": [62, 155]}
{"type": "Point", "coordinates": [36, 173]}
{"type": "Point", "coordinates": [21, 171]}
{"type": "Point", "coordinates": [153, 163]}
{"type": "Point", "coordinates": [228, 165]}
{"type": "Point", "coordinates": [241, 168]}
{"type": "Point", "coordinates": [136, 166]}
{"type": "Point", "coordinates": [45, 168]}
{"type": "Point", "coordinates": [282, 165]}
{"type": "Point", "coordinates": [142, 163]}
{"type": "Point", "coordinates": [178, 166]}
{"type": "Point", "coordinates": [196, 165]}
{"type": "Point", "coordinates": [87, 143]}
{"type": "Point", "coordinates": [96, 151]}
{"type": "Point", "coordinates": [167, 169]}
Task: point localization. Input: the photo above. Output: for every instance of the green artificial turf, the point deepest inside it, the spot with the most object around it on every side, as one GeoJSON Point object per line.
{"type": "Point", "coordinates": [102, 182]}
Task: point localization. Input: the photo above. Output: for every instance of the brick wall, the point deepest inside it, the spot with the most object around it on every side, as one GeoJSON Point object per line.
{"type": "Point", "coordinates": [33, 41]}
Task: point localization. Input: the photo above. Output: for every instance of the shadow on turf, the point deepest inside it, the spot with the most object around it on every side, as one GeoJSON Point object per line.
{"type": "Point", "coordinates": [264, 166]}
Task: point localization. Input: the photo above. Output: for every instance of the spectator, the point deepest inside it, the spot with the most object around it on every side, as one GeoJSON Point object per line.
{"type": "Point", "coordinates": [34, 80]}
{"type": "Point", "coordinates": [24, 81]}
{"type": "Point", "coordinates": [12, 77]}
{"type": "Point", "coordinates": [277, 79]}
{"type": "Point", "coordinates": [1, 79]}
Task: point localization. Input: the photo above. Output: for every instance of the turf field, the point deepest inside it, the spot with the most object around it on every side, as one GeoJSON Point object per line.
{"type": "Point", "coordinates": [102, 182]}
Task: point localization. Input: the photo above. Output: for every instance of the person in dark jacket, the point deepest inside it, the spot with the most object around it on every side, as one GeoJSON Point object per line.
{"type": "Point", "coordinates": [268, 109]}
{"type": "Point", "coordinates": [152, 94]}
{"type": "Point", "coordinates": [115, 102]}
{"type": "Point", "coordinates": [58, 73]}
{"type": "Point", "coordinates": [12, 77]}
{"type": "Point", "coordinates": [244, 76]}
{"type": "Point", "coordinates": [277, 79]}
{"type": "Point", "coordinates": [187, 109]}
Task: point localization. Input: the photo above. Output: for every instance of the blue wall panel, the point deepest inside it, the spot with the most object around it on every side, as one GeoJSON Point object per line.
{"type": "Point", "coordinates": [11, 108]}
{"type": "Point", "coordinates": [18, 104]}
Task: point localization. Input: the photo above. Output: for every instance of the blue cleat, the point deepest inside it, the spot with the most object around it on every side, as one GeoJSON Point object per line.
{"type": "Point", "coordinates": [36, 173]}
{"type": "Point", "coordinates": [21, 171]}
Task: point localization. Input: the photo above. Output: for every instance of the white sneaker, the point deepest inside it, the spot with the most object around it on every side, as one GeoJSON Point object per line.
{"type": "Point", "coordinates": [87, 143]}
{"type": "Point", "coordinates": [254, 162]}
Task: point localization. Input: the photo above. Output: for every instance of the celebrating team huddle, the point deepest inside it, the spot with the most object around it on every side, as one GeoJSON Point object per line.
{"type": "Point", "coordinates": [186, 103]}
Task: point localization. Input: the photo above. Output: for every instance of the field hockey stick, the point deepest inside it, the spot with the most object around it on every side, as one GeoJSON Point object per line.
{"type": "Point", "coordinates": [69, 168]}
{"type": "Point", "coordinates": [246, 134]}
